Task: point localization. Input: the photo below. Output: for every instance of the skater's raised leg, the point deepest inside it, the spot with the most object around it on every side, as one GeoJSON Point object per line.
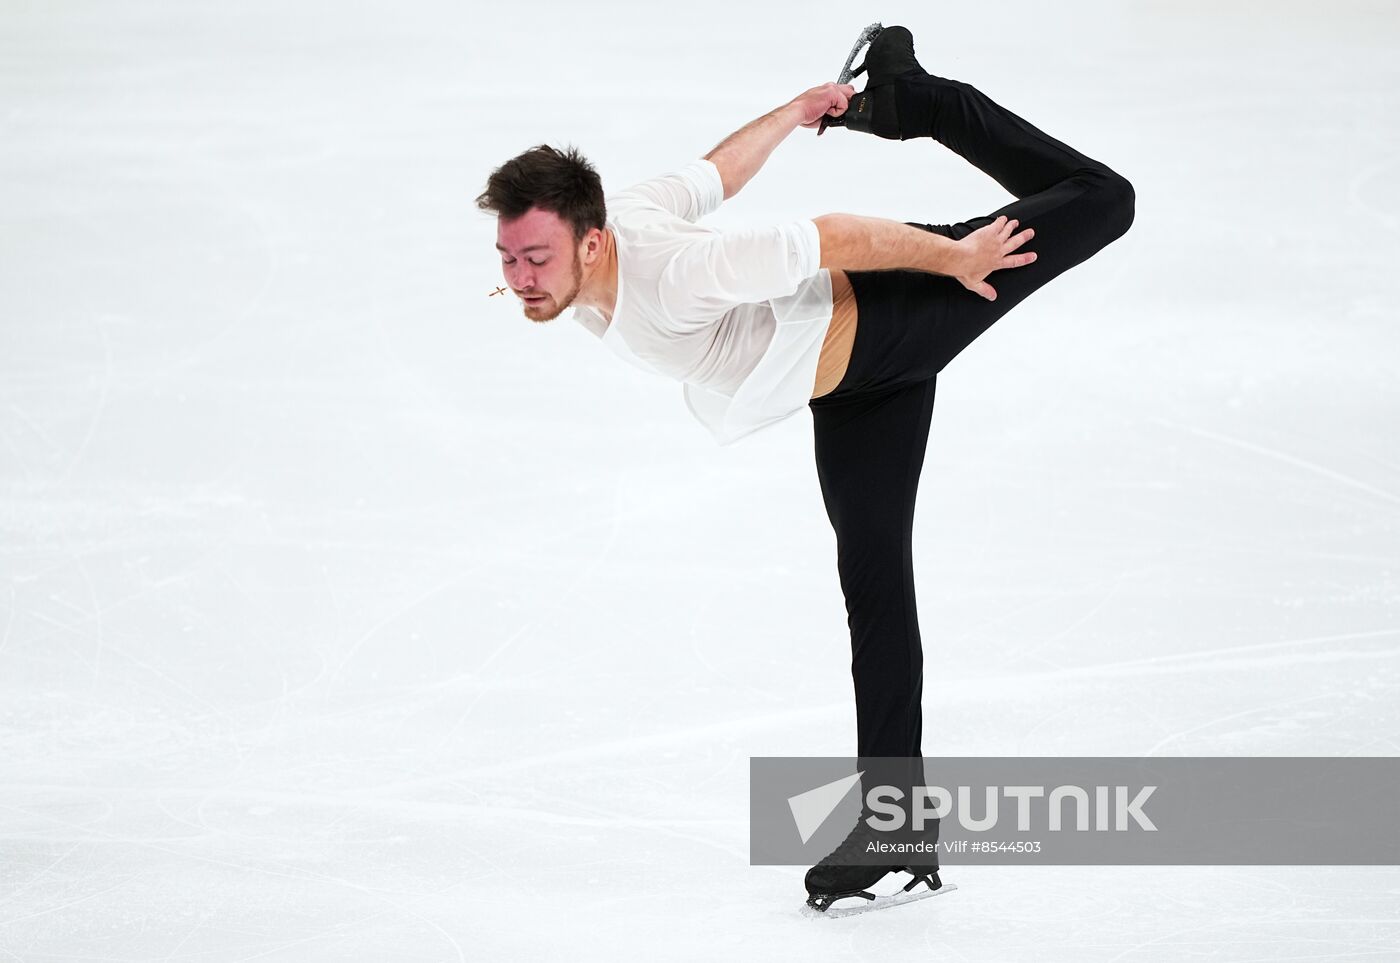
{"type": "Point", "coordinates": [871, 430]}
{"type": "Point", "coordinates": [911, 323]}
{"type": "Point", "coordinates": [904, 101]}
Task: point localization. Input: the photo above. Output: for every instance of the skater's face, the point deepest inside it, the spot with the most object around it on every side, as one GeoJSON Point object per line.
{"type": "Point", "coordinates": [541, 262]}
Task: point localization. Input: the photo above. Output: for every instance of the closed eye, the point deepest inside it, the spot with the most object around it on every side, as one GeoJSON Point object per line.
{"type": "Point", "coordinates": [511, 260]}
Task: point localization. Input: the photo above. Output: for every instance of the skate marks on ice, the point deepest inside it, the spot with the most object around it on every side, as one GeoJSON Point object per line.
{"type": "Point", "coordinates": [856, 904]}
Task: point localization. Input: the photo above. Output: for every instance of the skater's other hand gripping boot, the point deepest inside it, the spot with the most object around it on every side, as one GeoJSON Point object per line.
{"type": "Point", "coordinates": [875, 110]}
{"type": "Point", "coordinates": [989, 249]}
{"type": "Point", "coordinates": [826, 100]}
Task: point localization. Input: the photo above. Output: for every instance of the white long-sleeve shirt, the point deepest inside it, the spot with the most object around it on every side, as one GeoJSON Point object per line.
{"type": "Point", "coordinates": [737, 316]}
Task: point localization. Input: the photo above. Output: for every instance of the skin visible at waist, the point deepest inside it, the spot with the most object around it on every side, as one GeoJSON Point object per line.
{"type": "Point", "coordinates": [840, 336]}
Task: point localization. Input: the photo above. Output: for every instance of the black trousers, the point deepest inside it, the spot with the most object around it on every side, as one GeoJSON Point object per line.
{"type": "Point", "coordinates": [871, 432]}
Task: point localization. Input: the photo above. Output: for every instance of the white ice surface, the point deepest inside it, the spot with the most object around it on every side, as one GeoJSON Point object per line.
{"type": "Point", "coordinates": [346, 614]}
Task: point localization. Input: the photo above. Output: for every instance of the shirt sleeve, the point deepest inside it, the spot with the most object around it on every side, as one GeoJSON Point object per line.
{"type": "Point", "coordinates": [689, 193]}
{"type": "Point", "coordinates": [745, 266]}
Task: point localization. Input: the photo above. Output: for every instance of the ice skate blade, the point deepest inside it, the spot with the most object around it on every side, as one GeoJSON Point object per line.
{"type": "Point", "coordinates": [867, 36]}
{"type": "Point", "coordinates": [860, 905]}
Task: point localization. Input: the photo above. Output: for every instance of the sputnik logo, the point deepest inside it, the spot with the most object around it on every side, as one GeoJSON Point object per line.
{"type": "Point", "coordinates": [811, 808]}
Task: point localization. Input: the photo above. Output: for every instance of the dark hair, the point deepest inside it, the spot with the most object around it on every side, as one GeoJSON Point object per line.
{"type": "Point", "coordinates": [562, 182]}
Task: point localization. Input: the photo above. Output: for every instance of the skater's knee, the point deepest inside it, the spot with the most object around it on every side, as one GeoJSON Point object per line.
{"type": "Point", "coordinates": [1120, 200]}
{"type": "Point", "coordinates": [1125, 202]}
{"type": "Point", "coordinates": [1113, 198]}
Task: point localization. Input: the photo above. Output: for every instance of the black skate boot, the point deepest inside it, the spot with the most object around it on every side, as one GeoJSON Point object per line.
{"type": "Point", "coordinates": [836, 877]}
{"type": "Point", "coordinates": [875, 109]}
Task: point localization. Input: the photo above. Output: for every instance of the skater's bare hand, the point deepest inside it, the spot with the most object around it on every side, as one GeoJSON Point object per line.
{"type": "Point", "coordinates": [988, 249]}
{"type": "Point", "coordinates": [828, 99]}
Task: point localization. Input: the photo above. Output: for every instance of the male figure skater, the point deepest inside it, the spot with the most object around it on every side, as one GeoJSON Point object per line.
{"type": "Point", "coordinates": [852, 317]}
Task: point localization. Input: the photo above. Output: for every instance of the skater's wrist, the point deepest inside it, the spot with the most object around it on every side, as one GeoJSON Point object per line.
{"type": "Point", "coordinates": [794, 110]}
{"type": "Point", "coordinates": [956, 260]}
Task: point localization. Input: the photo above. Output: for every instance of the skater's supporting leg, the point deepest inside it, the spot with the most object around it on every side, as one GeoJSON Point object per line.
{"type": "Point", "coordinates": [870, 453]}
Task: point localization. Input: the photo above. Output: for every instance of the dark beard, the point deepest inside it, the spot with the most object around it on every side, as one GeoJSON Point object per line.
{"type": "Point", "coordinates": [568, 298]}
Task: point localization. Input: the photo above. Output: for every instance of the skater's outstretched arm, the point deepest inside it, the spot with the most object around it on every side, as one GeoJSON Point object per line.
{"type": "Point", "coordinates": [855, 243]}
{"type": "Point", "coordinates": [742, 153]}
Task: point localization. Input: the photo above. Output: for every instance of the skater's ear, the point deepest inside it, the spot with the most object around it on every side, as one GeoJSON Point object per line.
{"type": "Point", "coordinates": [591, 246]}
